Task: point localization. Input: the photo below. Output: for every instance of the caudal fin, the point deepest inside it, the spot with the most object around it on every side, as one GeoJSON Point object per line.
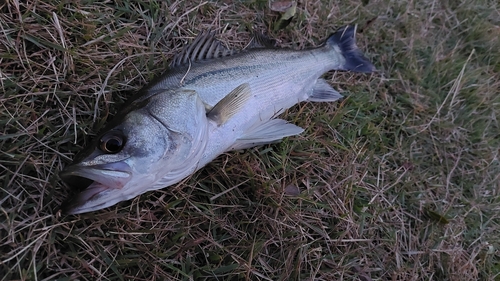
{"type": "Point", "coordinates": [345, 40]}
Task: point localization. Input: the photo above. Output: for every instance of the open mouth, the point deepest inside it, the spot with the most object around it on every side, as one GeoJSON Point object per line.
{"type": "Point", "coordinates": [92, 184]}
{"type": "Point", "coordinates": [92, 193]}
{"type": "Point", "coordinates": [76, 182]}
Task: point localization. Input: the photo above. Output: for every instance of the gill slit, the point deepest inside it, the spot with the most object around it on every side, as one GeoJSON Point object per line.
{"type": "Point", "coordinates": [187, 71]}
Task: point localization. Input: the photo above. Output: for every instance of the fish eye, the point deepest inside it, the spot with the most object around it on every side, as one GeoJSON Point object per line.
{"type": "Point", "coordinates": [112, 143]}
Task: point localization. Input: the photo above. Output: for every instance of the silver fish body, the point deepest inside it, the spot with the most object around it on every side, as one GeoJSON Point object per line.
{"type": "Point", "coordinates": [210, 102]}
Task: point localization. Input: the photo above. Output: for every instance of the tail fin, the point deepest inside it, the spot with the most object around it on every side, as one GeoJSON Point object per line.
{"type": "Point", "coordinates": [345, 40]}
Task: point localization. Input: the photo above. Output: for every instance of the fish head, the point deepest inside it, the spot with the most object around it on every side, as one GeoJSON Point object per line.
{"type": "Point", "coordinates": [137, 151]}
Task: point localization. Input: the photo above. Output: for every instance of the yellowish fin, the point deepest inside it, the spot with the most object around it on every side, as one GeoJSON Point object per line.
{"type": "Point", "coordinates": [230, 104]}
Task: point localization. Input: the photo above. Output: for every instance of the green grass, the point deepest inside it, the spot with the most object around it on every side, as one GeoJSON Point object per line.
{"type": "Point", "coordinates": [399, 181]}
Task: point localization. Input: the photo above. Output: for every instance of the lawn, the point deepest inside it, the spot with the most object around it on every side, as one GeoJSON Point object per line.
{"type": "Point", "coordinates": [398, 181]}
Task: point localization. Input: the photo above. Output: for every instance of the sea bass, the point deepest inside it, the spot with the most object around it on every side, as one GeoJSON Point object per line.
{"type": "Point", "coordinates": [211, 100]}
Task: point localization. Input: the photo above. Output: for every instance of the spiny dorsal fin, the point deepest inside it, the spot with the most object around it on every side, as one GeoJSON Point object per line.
{"type": "Point", "coordinates": [205, 46]}
{"type": "Point", "coordinates": [230, 104]}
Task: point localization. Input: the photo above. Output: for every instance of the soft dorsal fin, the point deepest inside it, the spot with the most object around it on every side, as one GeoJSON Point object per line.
{"type": "Point", "coordinates": [205, 46]}
{"type": "Point", "coordinates": [260, 40]}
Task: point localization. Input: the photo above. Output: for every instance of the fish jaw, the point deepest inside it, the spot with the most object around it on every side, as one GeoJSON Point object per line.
{"type": "Point", "coordinates": [103, 186]}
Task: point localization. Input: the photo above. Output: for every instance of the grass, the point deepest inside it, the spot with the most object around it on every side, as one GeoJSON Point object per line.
{"type": "Point", "coordinates": [399, 181]}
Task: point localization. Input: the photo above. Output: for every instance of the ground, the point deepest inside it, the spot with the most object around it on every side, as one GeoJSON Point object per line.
{"type": "Point", "coordinates": [398, 181]}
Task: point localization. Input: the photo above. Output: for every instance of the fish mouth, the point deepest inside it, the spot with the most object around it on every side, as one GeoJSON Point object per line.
{"type": "Point", "coordinates": [93, 185]}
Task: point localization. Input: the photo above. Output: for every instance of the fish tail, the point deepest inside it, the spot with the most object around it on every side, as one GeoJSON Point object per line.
{"type": "Point", "coordinates": [345, 40]}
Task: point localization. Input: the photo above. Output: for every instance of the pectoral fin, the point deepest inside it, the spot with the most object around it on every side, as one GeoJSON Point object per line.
{"type": "Point", "coordinates": [230, 104]}
{"type": "Point", "coordinates": [268, 132]}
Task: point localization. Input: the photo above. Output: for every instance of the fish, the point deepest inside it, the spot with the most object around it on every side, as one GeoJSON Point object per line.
{"type": "Point", "coordinates": [211, 100]}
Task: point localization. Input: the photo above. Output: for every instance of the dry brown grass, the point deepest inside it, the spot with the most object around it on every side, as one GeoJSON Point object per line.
{"type": "Point", "coordinates": [399, 181]}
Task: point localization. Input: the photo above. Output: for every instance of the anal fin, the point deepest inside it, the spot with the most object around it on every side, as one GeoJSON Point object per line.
{"type": "Point", "coordinates": [323, 92]}
{"type": "Point", "coordinates": [268, 132]}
